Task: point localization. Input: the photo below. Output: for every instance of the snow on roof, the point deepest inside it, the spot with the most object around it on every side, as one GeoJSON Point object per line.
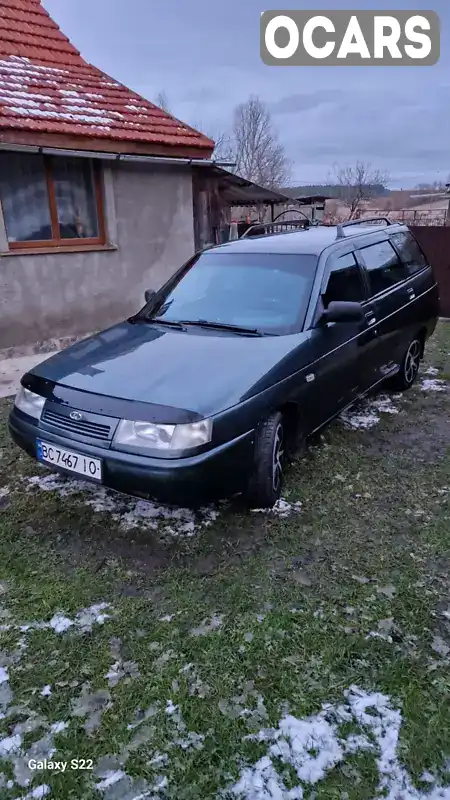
{"type": "Point", "coordinates": [47, 87]}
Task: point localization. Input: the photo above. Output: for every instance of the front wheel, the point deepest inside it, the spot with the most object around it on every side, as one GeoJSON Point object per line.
{"type": "Point", "coordinates": [266, 482]}
{"type": "Point", "coordinates": [409, 368]}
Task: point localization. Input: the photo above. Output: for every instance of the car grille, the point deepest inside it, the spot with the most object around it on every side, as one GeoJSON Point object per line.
{"type": "Point", "coordinates": [93, 430]}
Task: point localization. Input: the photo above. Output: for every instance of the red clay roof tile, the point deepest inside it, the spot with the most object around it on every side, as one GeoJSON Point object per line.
{"type": "Point", "coordinates": [47, 87]}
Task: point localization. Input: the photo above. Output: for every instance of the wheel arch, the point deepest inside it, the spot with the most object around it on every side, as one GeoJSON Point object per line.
{"type": "Point", "coordinates": [292, 418]}
{"type": "Point", "coordinates": [422, 336]}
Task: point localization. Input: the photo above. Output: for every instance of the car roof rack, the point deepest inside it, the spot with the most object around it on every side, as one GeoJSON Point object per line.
{"type": "Point", "coordinates": [340, 228]}
{"type": "Point", "coordinates": [271, 228]}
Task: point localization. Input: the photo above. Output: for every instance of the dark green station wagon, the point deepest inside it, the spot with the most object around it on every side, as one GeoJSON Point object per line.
{"type": "Point", "coordinates": [249, 348]}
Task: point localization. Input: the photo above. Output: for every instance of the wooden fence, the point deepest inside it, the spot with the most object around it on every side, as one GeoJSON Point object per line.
{"type": "Point", "coordinates": [435, 242]}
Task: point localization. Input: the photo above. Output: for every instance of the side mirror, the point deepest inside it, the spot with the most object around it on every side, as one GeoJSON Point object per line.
{"type": "Point", "coordinates": [149, 295]}
{"type": "Point", "coordinates": [343, 311]}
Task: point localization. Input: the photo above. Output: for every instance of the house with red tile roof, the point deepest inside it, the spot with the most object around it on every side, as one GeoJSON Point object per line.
{"type": "Point", "coordinates": [96, 186]}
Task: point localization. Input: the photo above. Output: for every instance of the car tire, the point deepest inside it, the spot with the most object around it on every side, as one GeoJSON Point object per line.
{"type": "Point", "coordinates": [409, 367]}
{"type": "Point", "coordinates": [266, 482]}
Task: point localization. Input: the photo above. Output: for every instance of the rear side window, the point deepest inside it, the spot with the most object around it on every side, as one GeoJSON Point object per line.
{"type": "Point", "coordinates": [410, 252]}
{"type": "Point", "coordinates": [383, 265]}
{"type": "Point", "coordinates": [345, 281]}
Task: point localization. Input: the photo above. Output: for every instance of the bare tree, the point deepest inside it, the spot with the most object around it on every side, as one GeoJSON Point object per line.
{"type": "Point", "coordinates": [258, 153]}
{"type": "Point", "coordinates": [223, 150]}
{"type": "Point", "coordinates": [161, 100]}
{"type": "Point", "coordinates": [357, 184]}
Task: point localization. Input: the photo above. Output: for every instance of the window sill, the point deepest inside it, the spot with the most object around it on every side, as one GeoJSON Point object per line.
{"type": "Point", "coordinates": [40, 251]}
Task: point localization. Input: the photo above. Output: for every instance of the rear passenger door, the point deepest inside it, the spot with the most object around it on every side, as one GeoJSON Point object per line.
{"type": "Point", "coordinates": [419, 292]}
{"type": "Point", "coordinates": [342, 352]}
{"type": "Point", "coordinates": [386, 276]}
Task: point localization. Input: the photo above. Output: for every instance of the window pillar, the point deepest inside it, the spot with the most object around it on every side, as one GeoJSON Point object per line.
{"type": "Point", "coordinates": [4, 246]}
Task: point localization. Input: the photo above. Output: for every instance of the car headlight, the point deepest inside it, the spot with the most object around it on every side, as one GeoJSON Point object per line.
{"type": "Point", "coordinates": [29, 402]}
{"type": "Point", "coordinates": [163, 437]}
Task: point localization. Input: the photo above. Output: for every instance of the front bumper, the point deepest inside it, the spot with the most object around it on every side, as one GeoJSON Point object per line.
{"type": "Point", "coordinates": [213, 475]}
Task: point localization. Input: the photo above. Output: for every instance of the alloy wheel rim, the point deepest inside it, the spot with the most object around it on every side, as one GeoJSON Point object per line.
{"type": "Point", "coordinates": [277, 458]}
{"type": "Point", "coordinates": [412, 361]}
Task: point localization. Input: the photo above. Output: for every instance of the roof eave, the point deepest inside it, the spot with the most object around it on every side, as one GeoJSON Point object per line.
{"type": "Point", "coordinates": [104, 145]}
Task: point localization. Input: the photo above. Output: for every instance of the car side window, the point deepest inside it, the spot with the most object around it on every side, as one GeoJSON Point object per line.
{"type": "Point", "coordinates": [345, 281]}
{"type": "Point", "coordinates": [410, 253]}
{"type": "Point", "coordinates": [383, 265]}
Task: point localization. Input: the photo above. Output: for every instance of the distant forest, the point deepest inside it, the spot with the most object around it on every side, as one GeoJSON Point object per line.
{"type": "Point", "coordinates": [332, 191]}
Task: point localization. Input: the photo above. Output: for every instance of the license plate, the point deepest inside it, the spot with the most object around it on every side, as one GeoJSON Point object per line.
{"type": "Point", "coordinates": [66, 459]}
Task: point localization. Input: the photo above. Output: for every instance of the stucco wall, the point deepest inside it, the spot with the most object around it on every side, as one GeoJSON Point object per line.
{"type": "Point", "coordinates": [150, 219]}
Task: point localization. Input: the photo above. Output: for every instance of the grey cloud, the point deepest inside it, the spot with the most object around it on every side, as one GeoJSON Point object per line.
{"type": "Point", "coordinates": [207, 61]}
{"type": "Point", "coordinates": [302, 102]}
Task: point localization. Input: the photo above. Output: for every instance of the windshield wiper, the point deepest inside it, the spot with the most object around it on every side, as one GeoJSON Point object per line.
{"type": "Point", "coordinates": [160, 321]}
{"type": "Point", "coordinates": [204, 323]}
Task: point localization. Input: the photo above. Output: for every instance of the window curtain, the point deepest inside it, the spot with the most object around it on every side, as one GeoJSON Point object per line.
{"type": "Point", "coordinates": [24, 196]}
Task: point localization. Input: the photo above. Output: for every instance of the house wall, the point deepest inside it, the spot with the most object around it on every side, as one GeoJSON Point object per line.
{"type": "Point", "coordinates": [149, 218]}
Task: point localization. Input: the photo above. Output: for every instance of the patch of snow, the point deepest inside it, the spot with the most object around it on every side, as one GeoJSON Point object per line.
{"type": "Point", "coordinates": [36, 794]}
{"type": "Point", "coordinates": [129, 512]}
{"type": "Point", "coordinates": [313, 746]}
{"type": "Point", "coordinates": [171, 708]}
{"type": "Point", "coordinates": [208, 626]}
{"type": "Point", "coordinates": [10, 745]}
{"type": "Point", "coordinates": [167, 618]}
{"type": "Point", "coordinates": [94, 615]}
{"type": "Point", "coordinates": [4, 677]}
{"type": "Point", "coordinates": [25, 102]}
{"type": "Point", "coordinates": [58, 727]}
{"type": "Point", "coordinates": [4, 491]}
{"type": "Point", "coordinates": [23, 64]}
{"type": "Point", "coordinates": [384, 405]}
{"type": "Point", "coordinates": [387, 591]}
{"type": "Point", "coordinates": [110, 778]}
{"type": "Point", "coordinates": [366, 413]}
{"type": "Point", "coordinates": [46, 691]}
{"type": "Point", "coordinates": [60, 623]}
{"type": "Point", "coordinates": [433, 385]}
{"type": "Point", "coordinates": [431, 371]}
{"type": "Point", "coordinates": [31, 94]}
{"type": "Point", "coordinates": [83, 621]}
{"type": "Point", "coordinates": [185, 740]}
{"type": "Point", "coordinates": [90, 119]}
{"type": "Point", "coordinates": [282, 508]}
{"type": "Point", "coordinates": [90, 706]}
{"type": "Point", "coordinates": [440, 647]}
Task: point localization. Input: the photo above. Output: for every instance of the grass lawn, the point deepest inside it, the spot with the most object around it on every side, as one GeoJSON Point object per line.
{"type": "Point", "coordinates": [297, 653]}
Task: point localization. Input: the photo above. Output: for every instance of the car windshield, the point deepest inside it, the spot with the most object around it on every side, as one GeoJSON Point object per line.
{"type": "Point", "coordinates": [260, 291]}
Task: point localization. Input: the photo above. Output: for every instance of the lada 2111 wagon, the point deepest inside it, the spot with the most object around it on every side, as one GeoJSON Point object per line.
{"type": "Point", "coordinates": [248, 349]}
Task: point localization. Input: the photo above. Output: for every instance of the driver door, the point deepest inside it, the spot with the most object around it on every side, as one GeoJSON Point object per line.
{"type": "Point", "coordinates": [343, 353]}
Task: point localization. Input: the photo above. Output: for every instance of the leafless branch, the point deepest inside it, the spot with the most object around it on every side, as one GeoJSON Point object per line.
{"type": "Point", "coordinates": [259, 155]}
{"type": "Point", "coordinates": [223, 150]}
{"type": "Point", "coordinates": [162, 101]}
{"type": "Point", "coordinates": [357, 184]}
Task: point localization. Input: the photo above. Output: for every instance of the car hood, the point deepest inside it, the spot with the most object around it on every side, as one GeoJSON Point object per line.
{"type": "Point", "coordinates": [201, 371]}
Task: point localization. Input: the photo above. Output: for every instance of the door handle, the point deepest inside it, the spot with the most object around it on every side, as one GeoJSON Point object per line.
{"type": "Point", "coordinates": [411, 293]}
{"type": "Point", "coordinates": [371, 318]}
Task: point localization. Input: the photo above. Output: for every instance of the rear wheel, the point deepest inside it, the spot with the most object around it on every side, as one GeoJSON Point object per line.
{"type": "Point", "coordinates": [266, 482]}
{"type": "Point", "coordinates": [409, 368]}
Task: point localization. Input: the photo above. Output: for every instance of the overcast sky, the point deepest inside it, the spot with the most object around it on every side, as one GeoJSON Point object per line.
{"type": "Point", "coordinates": [205, 56]}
